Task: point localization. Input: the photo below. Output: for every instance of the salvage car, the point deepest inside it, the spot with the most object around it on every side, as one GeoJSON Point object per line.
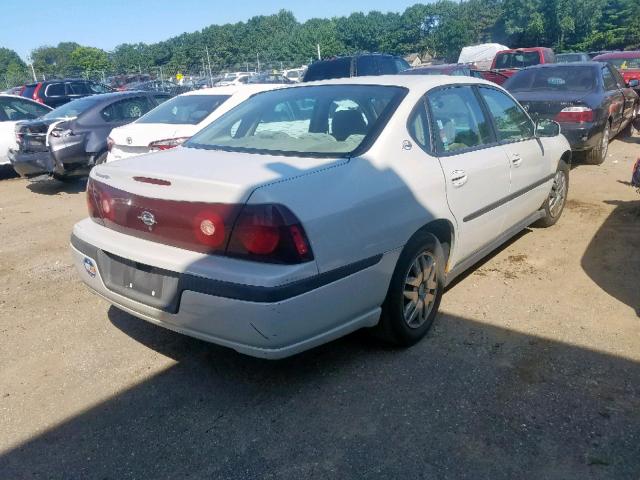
{"type": "Point", "coordinates": [590, 101]}
{"type": "Point", "coordinates": [55, 93]}
{"type": "Point", "coordinates": [71, 139]}
{"type": "Point", "coordinates": [311, 211]}
{"type": "Point", "coordinates": [360, 65]}
{"type": "Point", "coordinates": [175, 121]}
{"type": "Point", "coordinates": [12, 110]}
{"type": "Point", "coordinates": [627, 63]}
{"type": "Point", "coordinates": [508, 62]}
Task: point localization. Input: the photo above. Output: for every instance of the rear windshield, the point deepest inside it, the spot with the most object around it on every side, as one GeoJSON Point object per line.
{"type": "Point", "coordinates": [569, 57]}
{"type": "Point", "coordinates": [517, 59]}
{"type": "Point", "coordinates": [28, 91]}
{"type": "Point", "coordinates": [338, 68]}
{"type": "Point", "coordinates": [557, 78]}
{"type": "Point", "coordinates": [624, 63]}
{"type": "Point", "coordinates": [74, 108]}
{"type": "Point", "coordinates": [325, 120]}
{"type": "Point", "coordinates": [186, 110]}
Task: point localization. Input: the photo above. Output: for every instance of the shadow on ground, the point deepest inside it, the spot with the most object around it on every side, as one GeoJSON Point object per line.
{"type": "Point", "coordinates": [55, 187]}
{"type": "Point", "coordinates": [612, 259]}
{"type": "Point", "coordinates": [471, 401]}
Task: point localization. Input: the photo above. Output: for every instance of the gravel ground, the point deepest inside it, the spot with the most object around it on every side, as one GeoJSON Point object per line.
{"type": "Point", "coordinates": [532, 370]}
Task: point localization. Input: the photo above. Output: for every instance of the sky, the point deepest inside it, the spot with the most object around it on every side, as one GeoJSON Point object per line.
{"type": "Point", "coordinates": [107, 23]}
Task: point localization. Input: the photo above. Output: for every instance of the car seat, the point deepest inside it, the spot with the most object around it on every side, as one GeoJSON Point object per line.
{"type": "Point", "coordinates": [346, 123]}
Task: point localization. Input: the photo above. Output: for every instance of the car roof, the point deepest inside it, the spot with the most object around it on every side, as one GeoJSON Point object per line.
{"type": "Point", "coordinates": [412, 82]}
{"type": "Point", "coordinates": [627, 54]}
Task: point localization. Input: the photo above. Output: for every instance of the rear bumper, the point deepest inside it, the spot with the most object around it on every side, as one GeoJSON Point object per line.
{"type": "Point", "coordinates": [582, 136]}
{"type": "Point", "coordinates": [262, 321]}
{"type": "Point", "coordinates": [32, 164]}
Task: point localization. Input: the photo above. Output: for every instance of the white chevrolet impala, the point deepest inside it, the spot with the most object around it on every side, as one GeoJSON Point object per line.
{"type": "Point", "coordinates": [309, 212]}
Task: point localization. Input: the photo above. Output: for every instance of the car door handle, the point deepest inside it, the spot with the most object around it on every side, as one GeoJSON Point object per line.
{"type": "Point", "coordinates": [458, 178]}
{"type": "Point", "coordinates": [516, 159]}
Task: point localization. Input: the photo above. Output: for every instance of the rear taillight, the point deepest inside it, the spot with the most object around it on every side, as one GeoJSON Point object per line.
{"type": "Point", "coordinates": [269, 232]}
{"type": "Point", "coordinates": [167, 143]}
{"type": "Point", "coordinates": [110, 143]}
{"type": "Point", "coordinates": [575, 115]}
{"type": "Point", "coordinates": [36, 93]}
{"type": "Point", "coordinates": [266, 232]}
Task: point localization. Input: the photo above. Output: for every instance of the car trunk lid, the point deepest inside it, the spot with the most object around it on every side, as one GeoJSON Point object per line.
{"type": "Point", "coordinates": [546, 105]}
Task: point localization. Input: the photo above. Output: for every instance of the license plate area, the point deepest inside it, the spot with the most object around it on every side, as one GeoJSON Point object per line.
{"type": "Point", "coordinates": [152, 286]}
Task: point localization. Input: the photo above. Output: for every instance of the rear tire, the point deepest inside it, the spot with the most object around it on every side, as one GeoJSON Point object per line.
{"type": "Point", "coordinates": [597, 155]}
{"type": "Point", "coordinates": [557, 199]}
{"type": "Point", "coordinates": [415, 292]}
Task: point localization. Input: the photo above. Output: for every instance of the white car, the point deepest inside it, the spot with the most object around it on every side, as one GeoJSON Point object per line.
{"type": "Point", "coordinates": [174, 121]}
{"type": "Point", "coordinates": [295, 74]}
{"type": "Point", "coordinates": [270, 239]}
{"type": "Point", "coordinates": [235, 78]}
{"type": "Point", "coordinates": [12, 110]}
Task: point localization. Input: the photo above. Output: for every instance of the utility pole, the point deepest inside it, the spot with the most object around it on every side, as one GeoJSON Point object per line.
{"type": "Point", "coordinates": [318, 46]}
{"type": "Point", "coordinates": [33, 71]}
{"type": "Point", "coordinates": [209, 63]}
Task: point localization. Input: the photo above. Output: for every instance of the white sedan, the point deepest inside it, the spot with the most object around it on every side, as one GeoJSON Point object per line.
{"type": "Point", "coordinates": [270, 238]}
{"type": "Point", "coordinates": [174, 121]}
{"type": "Point", "coordinates": [12, 110]}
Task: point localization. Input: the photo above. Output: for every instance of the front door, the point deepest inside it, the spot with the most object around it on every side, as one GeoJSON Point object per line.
{"type": "Point", "coordinates": [530, 175]}
{"type": "Point", "coordinates": [475, 168]}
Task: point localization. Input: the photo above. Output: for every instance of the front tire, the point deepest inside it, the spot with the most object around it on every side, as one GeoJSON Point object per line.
{"type": "Point", "coordinates": [415, 292]}
{"type": "Point", "coordinates": [557, 199]}
{"type": "Point", "coordinates": [597, 155]}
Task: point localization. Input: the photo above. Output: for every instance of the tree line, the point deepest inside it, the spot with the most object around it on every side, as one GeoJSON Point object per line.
{"type": "Point", "coordinates": [440, 29]}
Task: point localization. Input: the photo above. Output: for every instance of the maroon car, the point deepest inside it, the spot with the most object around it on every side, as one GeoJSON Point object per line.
{"type": "Point", "coordinates": [627, 63]}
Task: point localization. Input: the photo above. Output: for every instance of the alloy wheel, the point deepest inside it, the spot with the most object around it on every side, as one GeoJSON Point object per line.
{"type": "Point", "coordinates": [558, 193]}
{"type": "Point", "coordinates": [420, 288]}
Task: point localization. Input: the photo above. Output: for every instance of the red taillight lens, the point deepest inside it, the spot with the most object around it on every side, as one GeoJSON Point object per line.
{"type": "Point", "coordinates": [36, 91]}
{"type": "Point", "coordinates": [269, 233]}
{"type": "Point", "coordinates": [167, 143]}
{"type": "Point", "coordinates": [575, 115]}
{"type": "Point", "coordinates": [266, 233]}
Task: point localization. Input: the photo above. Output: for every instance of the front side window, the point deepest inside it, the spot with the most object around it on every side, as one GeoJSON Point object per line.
{"type": "Point", "coordinates": [609, 81]}
{"type": "Point", "coordinates": [14, 109]}
{"type": "Point", "coordinates": [325, 120]}
{"type": "Point", "coordinates": [186, 110]}
{"type": "Point", "coordinates": [126, 110]}
{"type": "Point", "coordinates": [511, 122]}
{"type": "Point", "coordinates": [458, 120]}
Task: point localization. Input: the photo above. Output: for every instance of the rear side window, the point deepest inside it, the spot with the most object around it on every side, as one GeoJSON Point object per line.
{"type": "Point", "coordinates": [367, 66]}
{"type": "Point", "coordinates": [338, 68]}
{"type": "Point", "coordinates": [418, 126]}
{"type": "Point", "coordinates": [609, 81]}
{"type": "Point", "coordinates": [510, 120]}
{"type": "Point", "coordinates": [187, 110]}
{"type": "Point", "coordinates": [55, 90]}
{"type": "Point", "coordinates": [126, 110]}
{"type": "Point", "coordinates": [458, 120]}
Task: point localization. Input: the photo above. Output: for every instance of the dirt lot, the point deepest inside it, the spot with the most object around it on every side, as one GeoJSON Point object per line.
{"type": "Point", "coordinates": [531, 371]}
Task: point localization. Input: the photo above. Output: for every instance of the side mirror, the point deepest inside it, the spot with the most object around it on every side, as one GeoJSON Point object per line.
{"type": "Point", "coordinates": [547, 128]}
{"type": "Point", "coordinates": [633, 83]}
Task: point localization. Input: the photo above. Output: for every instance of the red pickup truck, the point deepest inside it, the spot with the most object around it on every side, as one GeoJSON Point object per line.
{"type": "Point", "coordinates": [508, 62]}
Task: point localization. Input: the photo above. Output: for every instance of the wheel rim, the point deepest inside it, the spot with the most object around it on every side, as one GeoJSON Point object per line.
{"type": "Point", "coordinates": [605, 141]}
{"type": "Point", "coordinates": [420, 287]}
{"type": "Point", "coordinates": [558, 194]}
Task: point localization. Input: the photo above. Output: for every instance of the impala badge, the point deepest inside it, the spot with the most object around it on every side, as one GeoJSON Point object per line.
{"type": "Point", "coordinates": [148, 218]}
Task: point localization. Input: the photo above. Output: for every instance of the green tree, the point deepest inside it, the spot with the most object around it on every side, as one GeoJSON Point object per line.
{"type": "Point", "coordinates": [88, 60]}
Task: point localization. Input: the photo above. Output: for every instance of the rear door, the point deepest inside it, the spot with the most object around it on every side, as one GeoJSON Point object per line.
{"type": "Point", "coordinates": [530, 170]}
{"type": "Point", "coordinates": [475, 166]}
{"type": "Point", "coordinates": [614, 98]}
{"type": "Point", "coordinates": [630, 96]}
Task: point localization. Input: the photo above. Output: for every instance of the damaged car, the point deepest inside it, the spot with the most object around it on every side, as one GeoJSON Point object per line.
{"type": "Point", "coordinates": [68, 141]}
